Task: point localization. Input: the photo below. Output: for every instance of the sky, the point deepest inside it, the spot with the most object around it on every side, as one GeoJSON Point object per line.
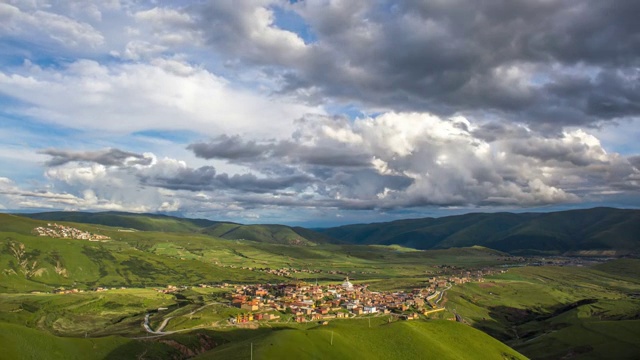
{"type": "Point", "coordinates": [319, 112]}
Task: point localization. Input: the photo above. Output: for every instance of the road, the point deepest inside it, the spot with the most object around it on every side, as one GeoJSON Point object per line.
{"type": "Point", "coordinates": [442, 293]}
{"type": "Point", "coordinates": [164, 323]}
{"type": "Point", "coordinates": [434, 311]}
{"type": "Point", "coordinates": [162, 326]}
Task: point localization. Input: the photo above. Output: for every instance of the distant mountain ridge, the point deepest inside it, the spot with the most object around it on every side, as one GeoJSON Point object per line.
{"type": "Point", "coordinates": [143, 222]}
{"type": "Point", "coordinates": [277, 234]}
{"type": "Point", "coordinates": [597, 231]}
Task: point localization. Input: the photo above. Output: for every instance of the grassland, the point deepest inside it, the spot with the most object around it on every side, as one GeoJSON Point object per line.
{"type": "Point", "coordinates": [542, 312]}
{"type": "Point", "coordinates": [355, 339]}
{"type": "Point", "coordinates": [555, 312]}
{"type": "Point", "coordinates": [147, 258]}
{"type": "Point", "coordinates": [597, 230]}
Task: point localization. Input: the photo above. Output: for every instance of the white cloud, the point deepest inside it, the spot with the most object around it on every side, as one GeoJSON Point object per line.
{"type": "Point", "coordinates": [169, 26]}
{"type": "Point", "coordinates": [168, 94]}
{"type": "Point", "coordinates": [161, 17]}
{"type": "Point", "coordinates": [417, 159]}
{"type": "Point", "coordinates": [414, 160]}
{"type": "Point", "coordinates": [113, 69]}
{"type": "Point", "coordinates": [246, 28]}
{"type": "Point", "coordinates": [63, 30]}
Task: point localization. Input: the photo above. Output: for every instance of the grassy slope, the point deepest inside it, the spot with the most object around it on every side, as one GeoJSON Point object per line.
{"type": "Point", "coordinates": [98, 314]}
{"type": "Point", "coordinates": [551, 312]}
{"type": "Point", "coordinates": [129, 259]}
{"type": "Point", "coordinates": [598, 229]}
{"type": "Point", "coordinates": [145, 222]}
{"type": "Point", "coordinates": [354, 339]}
{"type": "Point", "coordinates": [134, 258]}
{"type": "Point", "coordinates": [278, 234]}
{"type": "Point", "coordinates": [144, 258]}
{"type": "Point", "coordinates": [19, 342]}
{"type": "Point", "coordinates": [558, 232]}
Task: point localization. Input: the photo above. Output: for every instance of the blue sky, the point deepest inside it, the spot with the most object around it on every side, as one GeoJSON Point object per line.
{"type": "Point", "coordinates": [318, 112]}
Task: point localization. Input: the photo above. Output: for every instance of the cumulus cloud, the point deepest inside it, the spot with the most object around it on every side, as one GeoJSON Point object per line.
{"type": "Point", "coordinates": [413, 159]}
{"type": "Point", "coordinates": [458, 103]}
{"type": "Point", "coordinates": [246, 28]}
{"type": "Point", "coordinates": [548, 63]}
{"type": "Point", "coordinates": [405, 160]}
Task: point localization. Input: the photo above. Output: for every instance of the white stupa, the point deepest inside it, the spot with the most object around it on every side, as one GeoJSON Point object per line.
{"type": "Point", "coordinates": [347, 285]}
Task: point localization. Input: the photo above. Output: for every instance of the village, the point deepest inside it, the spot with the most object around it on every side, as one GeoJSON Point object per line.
{"type": "Point", "coordinates": [308, 302]}
{"type": "Point", "coordinates": [302, 302]}
{"type": "Point", "coordinates": [66, 232]}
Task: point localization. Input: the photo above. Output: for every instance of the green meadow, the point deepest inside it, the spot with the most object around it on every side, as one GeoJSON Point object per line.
{"type": "Point", "coordinates": [537, 312]}
{"type": "Point", "coordinates": [556, 312]}
{"type": "Point", "coordinates": [356, 339]}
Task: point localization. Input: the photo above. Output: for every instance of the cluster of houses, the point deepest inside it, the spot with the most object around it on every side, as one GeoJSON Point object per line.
{"type": "Point", "coordinates": [313, 302]}
{"type": "Point", "coordinates": [290, 271]}
{"type": "Point", "coordinates": [169, 289]}
{"type": "Point", "coordinates": [308, 302]}
{"type": "Point", "coordinates": [285, 272]}
{"type": "Point", "coordinates": [62, 290]}
{"type": "Point", "coordinates": [66, 232]}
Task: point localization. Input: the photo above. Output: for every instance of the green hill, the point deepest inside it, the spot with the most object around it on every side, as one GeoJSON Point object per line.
{"type": "Point", "coordinates": [19, 342]}
{"type": "Point", "coordinates": [144, 222]}
{"type": "Point", "coordinates": [141, 258]}
{"type": "Point", "coordinates": [598, 231]}
{"type": "Point", "coordinates": [148, 258]}
{"type": "Point", "coordinates": [354, 339]}
{"type": "Point", "coordinates": [551, 312]}
{"type": "Point", "coordinates": [277, 234]}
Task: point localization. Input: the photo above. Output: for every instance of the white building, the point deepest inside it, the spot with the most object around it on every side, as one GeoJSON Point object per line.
{"type": "Point", "coordinates": [370, 309]}
{"type": "Point", "coordinates": [347, 285]}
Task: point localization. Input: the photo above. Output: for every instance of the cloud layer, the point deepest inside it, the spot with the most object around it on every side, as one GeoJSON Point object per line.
{"type": "Point", "coordinates": [244, 109]}
{"type": "Point", "coordinates": [393, 161]}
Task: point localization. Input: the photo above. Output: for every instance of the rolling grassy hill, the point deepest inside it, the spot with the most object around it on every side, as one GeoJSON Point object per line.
{"type": "Point", "coordinates": [543, 312]}
{"type": "Point", "coordinates": [129, 259]}
{"type": "Point", "coordinates": [559, 312]}
{"type": "Point", "coordinates": [144, 222]}
{"type": "Point", "coordinates": [598, 231]}
{"type": "Point", "coordinates": [354, 339]}
{"type": "Point", "coordinates": [276, 234]}
{"type": "Point", "coordinates": [19, 342]}
{"type": "Point", "coordinates": [595, 230]}
{"type": "Point", "coordinates": [148, 258]}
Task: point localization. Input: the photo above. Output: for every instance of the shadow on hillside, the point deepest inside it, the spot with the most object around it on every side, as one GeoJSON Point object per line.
{"type": "Point", "coordinates": [503, 321]}
{"type": "Point", "coordinates": [183, 345]}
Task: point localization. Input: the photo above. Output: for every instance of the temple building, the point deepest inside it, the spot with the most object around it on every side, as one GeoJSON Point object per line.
{"type": "Point", "coordinates": [347, 285]}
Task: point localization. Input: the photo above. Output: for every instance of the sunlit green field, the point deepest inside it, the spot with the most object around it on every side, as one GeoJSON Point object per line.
{"type": "Point", "coordinates": [542, 312]}
{"type": "Point", "coordinates": [551, 312]}
{"type": "Point", "coordinates": [350, 339]}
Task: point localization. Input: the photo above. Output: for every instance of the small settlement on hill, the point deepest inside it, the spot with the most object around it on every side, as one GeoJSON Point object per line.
{"type": "Point", "coordinates": [314, 302]}
{"type": "Point", "coordinates": [54, 230]}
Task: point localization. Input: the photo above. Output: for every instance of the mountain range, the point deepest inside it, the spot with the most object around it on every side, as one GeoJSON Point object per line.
{"type": "Point", "coordinates": [597, 231]}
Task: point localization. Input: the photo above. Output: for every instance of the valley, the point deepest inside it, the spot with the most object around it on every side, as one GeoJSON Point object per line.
{"type": "Point", "coordinates": [185, 293]}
